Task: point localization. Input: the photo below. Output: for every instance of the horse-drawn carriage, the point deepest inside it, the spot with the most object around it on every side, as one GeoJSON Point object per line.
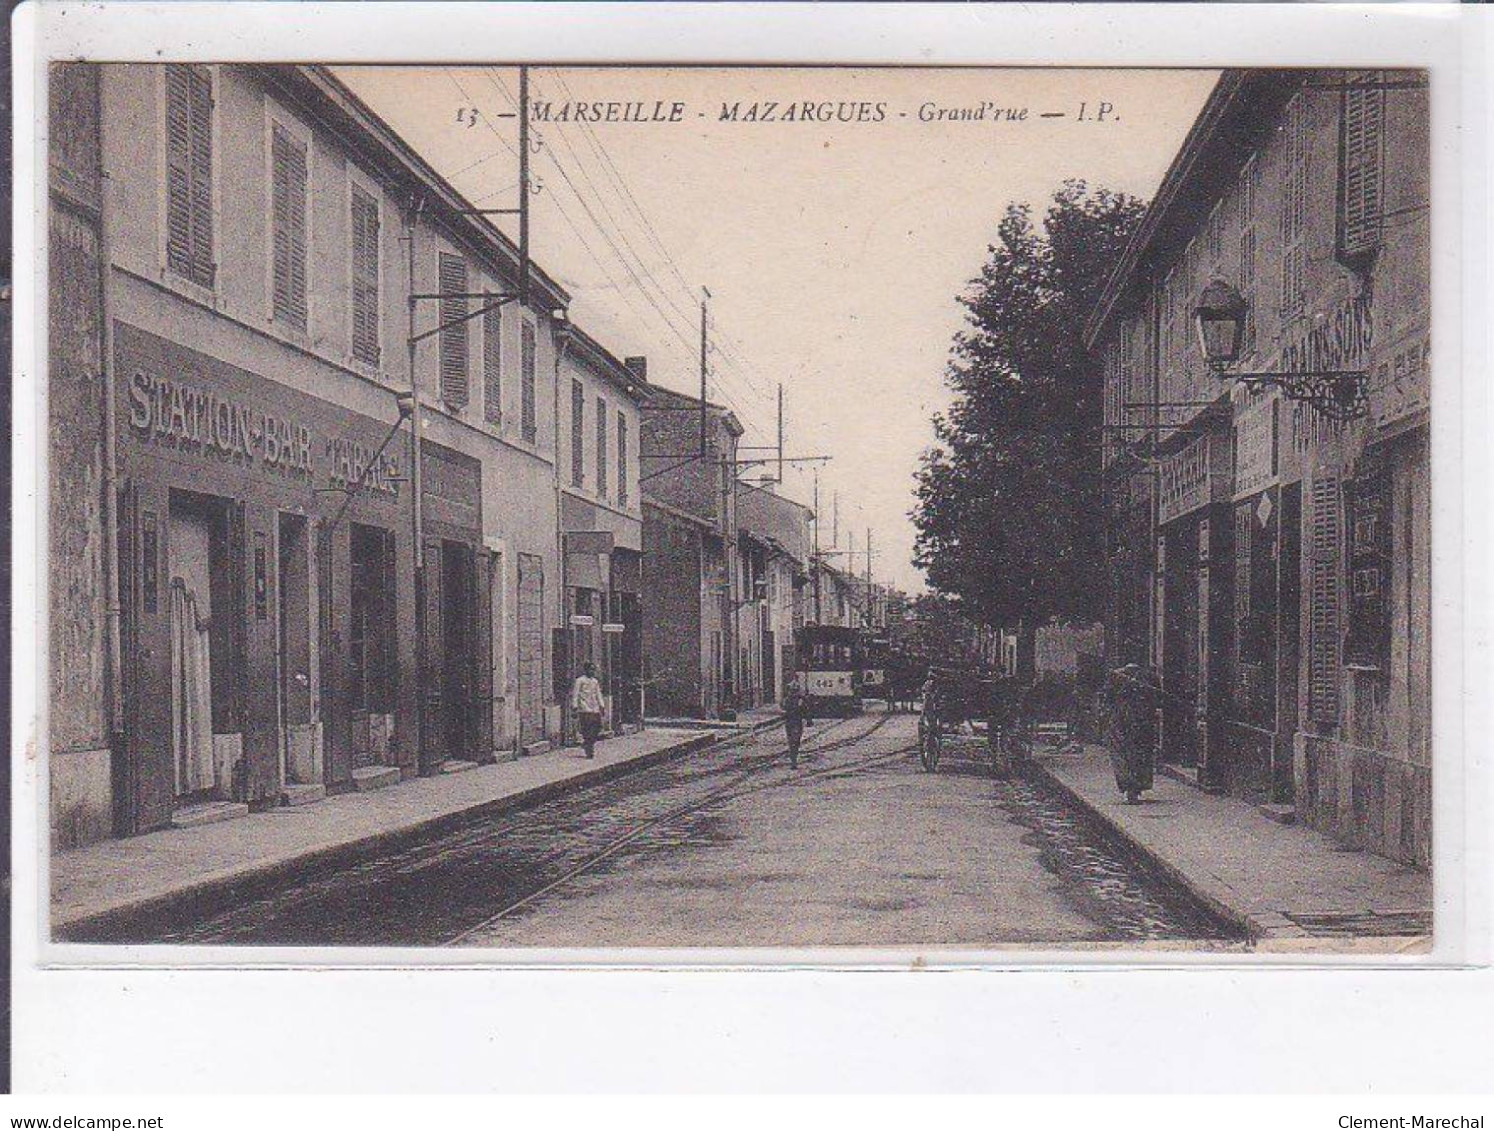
{"type": "Point", "coordinates": [972, 717]}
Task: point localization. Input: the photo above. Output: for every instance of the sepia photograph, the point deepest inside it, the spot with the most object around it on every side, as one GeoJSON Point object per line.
{"type": "Point", "coordinates": [532, 507]}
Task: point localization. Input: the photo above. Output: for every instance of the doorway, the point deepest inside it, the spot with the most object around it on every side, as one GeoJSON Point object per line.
{"type": "Point", "coordinates": [371, 644]}
{"type": "Point", "coordinates": [300, 748]}
{"type": "Point", "coordinates": [458, 652]}
{"type": "Point", "coordinates": [202, 636]}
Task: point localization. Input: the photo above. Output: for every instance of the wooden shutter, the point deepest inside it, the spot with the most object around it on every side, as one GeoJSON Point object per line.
{"type": "Point", "coordinates": [578, 433]}
{"type": "Point", "coordinates": [288, 180]}
{"type": "Point", "coordinates": [1323, 611]}
{"type": "Point", "coordinates": [189, 173]}
{"type": "Point", "coordinates": [433, 751]}
{"type": "Point", "coordinates": [365, 263]}
{"type": "Point", "coordinates": [453, 282]}
{"type": "Point", "coordinates": [622, 459]}
{"type": "Point", "coordinates": [1361, 166]}
{"type": "Point", "coordinates": [1244, 520]}
{"type": "Point", "coordinates": [529, 425]}
{"type": "Point", "coordinates": [484, 567]}
{"type": "Point", "coordinates": [492, 366]}
{"type": "Point", "coordinates": [601, 448]}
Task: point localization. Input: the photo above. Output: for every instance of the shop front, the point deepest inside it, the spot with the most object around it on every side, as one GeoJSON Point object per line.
{"type": "Point", "coordinates": [458, 612]}
{"type": "Point", "coordinates": [1193, 541]}
{"type": "Point", "coordinates": [262, 562]}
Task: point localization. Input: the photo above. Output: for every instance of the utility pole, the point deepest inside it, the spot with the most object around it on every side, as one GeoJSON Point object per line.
{"type": "Point", "coordinates": [523, 186]}
{"type": "Point", "coordinates": [780, 432]}
{"type": "Point", "coordinates": [815, 557]}
{"type": "Point", "coordinates": [417, 518]}
{"type": "Point", "coordinates": [705, 296]}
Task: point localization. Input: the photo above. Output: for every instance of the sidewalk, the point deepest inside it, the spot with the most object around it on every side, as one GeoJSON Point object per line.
{"type": "Point", "coordinates": [1279, 882]}
{"type": "Point", "coordinates": [145, 877]}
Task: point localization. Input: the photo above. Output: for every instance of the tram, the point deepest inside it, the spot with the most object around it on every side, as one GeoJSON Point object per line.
{"type": "Point", "coordinates": [829, 660]}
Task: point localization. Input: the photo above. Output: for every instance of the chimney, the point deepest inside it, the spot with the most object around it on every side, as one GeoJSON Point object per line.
{"type": "Point", "coordinates": [638, 367]}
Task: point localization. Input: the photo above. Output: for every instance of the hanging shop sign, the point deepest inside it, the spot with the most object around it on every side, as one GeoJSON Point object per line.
{"type": "Point", "coordinates": [1187, 479]}
{"type": "Point", "coordinates": [1401, 381]}
{"type": "Point", "coordinates": [1255, 448]}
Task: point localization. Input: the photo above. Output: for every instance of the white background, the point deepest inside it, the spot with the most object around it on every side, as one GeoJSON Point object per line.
{"type": "Point", "coordinates": [154, 1030]}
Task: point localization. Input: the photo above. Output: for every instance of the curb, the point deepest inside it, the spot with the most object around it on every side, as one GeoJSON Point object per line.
{"type": "Point", "coordinates": [1255, 930]}
{"type": "Point", "coordinates": [153, 915]}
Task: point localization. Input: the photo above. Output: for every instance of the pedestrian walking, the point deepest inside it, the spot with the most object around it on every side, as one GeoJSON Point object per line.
{"type": "Point", "coordinates": [795, 715]}
{"type": "Point", "coordinates": [586, 701]}
{"type": "Point", "coordinates": [1132, 700]}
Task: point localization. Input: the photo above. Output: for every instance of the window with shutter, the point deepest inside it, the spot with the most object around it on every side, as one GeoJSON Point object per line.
{"type": "Point", "coordinates": [1293, 212]}
{"type": "Point", "coordinates": [528, 423]}
{"type": "Point", "coordinates": [492, 366]}
{"type": "Point", "coordinates": [602, 450]}
{"type": "Point", "coordinates": [1323, 602]}
{"type": "Point", "coordinates": [189, 173]}
{"type": "Point", "coordinates": [452, 283]}
{"type": "Point", "coordinates": [288, 221]}
{"type": "Point", "coordinates": [622, 460]}
{"type": "Point", "coordinates": [1360, 166]}
{"type": "Point", "coordinates": [1243, 522]}
{"type": "Point", "coordinates": [578, 431]}
{"type": "Point", "coordinates": [365, 256]}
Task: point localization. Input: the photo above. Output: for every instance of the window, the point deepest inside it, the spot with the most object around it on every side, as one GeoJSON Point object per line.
{"type": "Point", "coordinates": [601, 448]}
{"type": "Point", "coordinates": [452, 276]}
{"type": "Point", "coordinates": [578, 433]}
{"type": "Point", "coordinates": [1293, 212]}
{"type": "Point", "coordinates": [288, 226]}
{"type": "Point", "coordinates": [1361, 160]}
{"type": "Point", "coordinates": [492, 366]}
{"type": "Point", "coordinates": [364, 229]}
{"type": "Point", "coordinates": [622, 460]}
{"type": "Point", "coordinates": [528, 425]}
{"type": "Point", "coordinates": [189, 173]}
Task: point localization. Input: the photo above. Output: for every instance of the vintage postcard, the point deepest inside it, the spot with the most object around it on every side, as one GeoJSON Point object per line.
{"type": "Point", "coordinates": [527, 508]}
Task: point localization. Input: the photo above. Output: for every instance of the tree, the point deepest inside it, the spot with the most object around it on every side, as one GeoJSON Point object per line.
{"type": "Point", "coordinates": [1009, 507]}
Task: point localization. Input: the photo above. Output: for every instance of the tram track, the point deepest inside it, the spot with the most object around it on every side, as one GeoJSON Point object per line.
{"type": "Point", "coordinates": [727, 792]}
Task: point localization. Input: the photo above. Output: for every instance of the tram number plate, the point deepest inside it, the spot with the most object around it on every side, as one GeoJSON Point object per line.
{"type": "Point", "coordinates": [828, 683]}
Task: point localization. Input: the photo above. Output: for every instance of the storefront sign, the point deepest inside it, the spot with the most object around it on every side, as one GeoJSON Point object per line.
{"type": "Point", "coordinates": [1338, 340]}
{"type": "Point", "coordinates": [1400, 383]}
{"type": "Point", "coordinates": [614, 629]}
{"type": "Point", "coordinates": [193, 417]}
{"type": "Point", "coordinates": [581, 620]}
{"type": "Point", "coordinates": [1255, 448]}
{"type": "Point", "coordinates": [1186, 480]}
{"type": "Point", "coordinates": [214, 411]}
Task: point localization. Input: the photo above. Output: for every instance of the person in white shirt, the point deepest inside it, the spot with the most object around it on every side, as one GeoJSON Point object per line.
{"type": "Point", "coordinates": [586, 701]}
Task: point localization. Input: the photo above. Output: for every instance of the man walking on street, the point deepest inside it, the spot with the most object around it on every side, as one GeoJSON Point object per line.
{"type": "Point", "coordinates": [795, 715]}
{"type": "Point", "coordinates": [586, 701]}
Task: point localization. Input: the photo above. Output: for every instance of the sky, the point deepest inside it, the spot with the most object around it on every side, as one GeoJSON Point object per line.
{"type": "Point", "coordinates": [833, 251]}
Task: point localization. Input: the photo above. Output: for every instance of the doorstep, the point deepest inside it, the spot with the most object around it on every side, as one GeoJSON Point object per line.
{"type": "Point", "coordinates": [368, 778]}
{"type": "Point", "coordinates": [207, 813]}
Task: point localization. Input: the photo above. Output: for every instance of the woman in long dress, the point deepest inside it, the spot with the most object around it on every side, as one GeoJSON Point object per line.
{"type": "Point", "coordinates": [1132, 694]}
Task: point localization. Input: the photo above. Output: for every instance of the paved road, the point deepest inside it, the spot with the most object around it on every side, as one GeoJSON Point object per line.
{"type": "Point", "coordinates": [731, 848]}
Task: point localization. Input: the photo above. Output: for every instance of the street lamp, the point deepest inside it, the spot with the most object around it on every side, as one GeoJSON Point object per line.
{"type": "Point", "coordinates": [1219, 317]}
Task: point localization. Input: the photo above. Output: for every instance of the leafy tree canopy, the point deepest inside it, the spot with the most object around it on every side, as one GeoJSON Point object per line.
{"type": "Point", "coordinates": [1008, 516]}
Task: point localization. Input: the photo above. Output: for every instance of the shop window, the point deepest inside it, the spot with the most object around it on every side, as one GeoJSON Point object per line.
{"type": "Point", "coordinates": [452, 275]}
{"type": "Point", "coordinates": [364, 224]}
{"type": "Point", "coordinates": [1361, 165]}
{"type": "Point", "coordinates": [189, 173]}
{"type": "Point", "coordinates": [288, 220]}
{"type": "Point", "coordinates": [1368, 644]}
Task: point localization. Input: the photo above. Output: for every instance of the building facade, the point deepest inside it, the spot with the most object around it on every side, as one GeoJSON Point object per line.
{"type": "Point", "coordinates": [692, 574]}
{"type": "Point", "coordinates": [1270, 554]}
{"type": "Point", "coordinates": [240, 256]}
{"type": "Point", "coordinates": [778, 529]}
{"type": "Point", "coordinates": [601, 520]}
